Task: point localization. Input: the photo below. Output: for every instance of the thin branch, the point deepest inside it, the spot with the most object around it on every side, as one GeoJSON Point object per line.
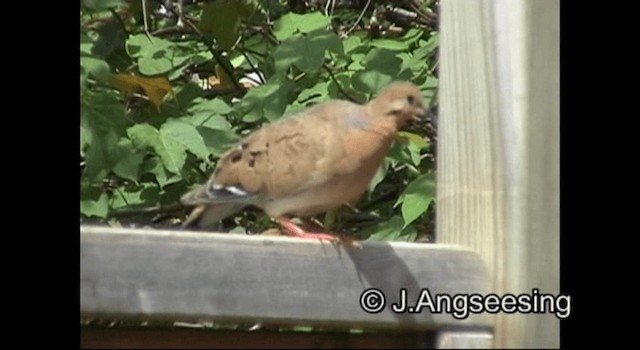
{"type": "Point", "coordinates": [122, 196]}
{"type": "Point", "coordinates": [268, 36]}
{"type": "Point", "coordinates": [253, 68]}
{"type": "Point", "coordinates": [403, 166]}
{"type": "Point", "coordinates": [333, 77]}
{"type": "Point", "coordinates": [366, 6]}
{"type": "Point", "coordinates": [215, 54]}
{"type": "Point", "coordinates": [146, 211]}
{"type": "Point", "coordinates": [381, 198]}
{"type": "Point", "coordinates": [119, 19]}
{"type": "Point", "coordinates": [246, 57]}
{"type": "Point", "coordinates": [332, 4]}
{"type": "Point", "coordinates": [254, 52]}
{"type": "Point", "coordinates": [144, 18]}
{"type": "Point", "coordinates": [435, 65]}
{"type": "Point", "coordinates": [169, 30]}
{"type": "Point", "coordinates": [187, 20]}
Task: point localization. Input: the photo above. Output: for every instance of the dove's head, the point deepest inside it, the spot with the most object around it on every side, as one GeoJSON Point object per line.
{"type": "Point", "coordinates": [401, 100]}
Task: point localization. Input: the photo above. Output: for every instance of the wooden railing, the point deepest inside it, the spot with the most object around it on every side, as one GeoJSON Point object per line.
{"type": "Point", "coordinates": [151, 277]}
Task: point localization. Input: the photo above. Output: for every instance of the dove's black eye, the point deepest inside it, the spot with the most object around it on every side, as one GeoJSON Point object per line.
{"type": "Point", "coordinates": [236, 157]}
{"type": "Point", "coordinates": [411, 99]}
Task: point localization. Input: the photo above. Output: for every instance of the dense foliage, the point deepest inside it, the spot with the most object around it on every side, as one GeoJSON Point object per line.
{"type": "Point", "coordinates": [165, 90]}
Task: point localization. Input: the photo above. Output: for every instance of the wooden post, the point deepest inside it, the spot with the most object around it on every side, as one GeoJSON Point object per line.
{"type": "Point", "coordinates": [498, 161]}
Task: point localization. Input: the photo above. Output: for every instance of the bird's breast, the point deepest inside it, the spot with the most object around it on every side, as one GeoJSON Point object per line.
{"type": "Point", "coordinates": [346, 185]}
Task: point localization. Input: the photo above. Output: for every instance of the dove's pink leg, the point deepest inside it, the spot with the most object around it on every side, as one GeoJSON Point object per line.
{"type": "Point", "coordinates": [297, 231]}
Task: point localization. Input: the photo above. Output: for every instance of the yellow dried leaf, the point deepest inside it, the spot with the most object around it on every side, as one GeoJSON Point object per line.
{"type": "Point", "coordinates": [225, 80]}
{"type": "Point", "coordinates": [155, 88]}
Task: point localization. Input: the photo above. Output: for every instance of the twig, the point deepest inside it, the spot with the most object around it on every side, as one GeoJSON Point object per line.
{"type": "Point", "coordinates": [331, 3]}
{"type": "Point", "coordinates": [253, 52]}
{"type": "Point", "coordinates": [429, 17]}
{"type": "Point", "coordinates": [213, 51]}
{"type": "Point", "coordinates": [253, 68]}
{"type": "Point", "coordinates": [144, 18]}
{"type": "Point", "coordinates": [265, 34]}
{"type": "Point", "coordinates": [145, 211]}
{"type": "Point", "coordinates": [122, 196]}
{"type": "Point", "coordinates": [383, 197]}
{"type": "Point", "coordinates": [244, 54]}
{"type": "Point", "coordinates": [119, 19]}
{"type": "Point", "coordinates": [333, 77]}
{"type": "Point", "coordinates": [403, 166]}
{"type": "Point", "coordinates": [366, 6]}
{"type": "Point", "coordinates": [169, 30]}
{"type": "Point", "coordinates": [435, 65]}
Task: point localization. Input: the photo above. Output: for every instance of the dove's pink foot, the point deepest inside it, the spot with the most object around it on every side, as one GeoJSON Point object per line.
{"type": "Point", "coordinates": [297, 231]}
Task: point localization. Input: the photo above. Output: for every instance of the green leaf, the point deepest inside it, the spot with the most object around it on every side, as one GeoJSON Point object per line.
{"type": "Point", "coordinates": [314, 93]}
{"type": "Point", "coordinates": [432, 43]}
{"type": "Point", "coordinates": [188, 94]}
{"type": "Point", "coordinates": [83, 81]}
{"type": "Point", "coordinates": [100, 5]}
{"type": "Point", "coordinates": [267, 101]}
{"type": "Point", "coordinates": [102, 122]}
{"type": "Point", "coordinates": [401, 152]}
{"type": "Point", "coordinates": [171, 193]}
{"type": "Point", "coordinates": [414, 144]}
{"type": "Point", "coordinates": [370, 82]}
{"type": "Point", "coordinates": [129, 160]}
{"type": "Point", "coordinates": [209, 114]}
{"type": "Point", "coordinates": [291, 23]}
{"type": "Point", "coordinates": [163, 61]}
{"type": "Point", "coordinates": [85, 138]}
{"type": "Point", "coordinates": [186, 135]}
{"type": "Point", "coordinates": [95, 67]}
{"type": "Point", "coordinates": [141, 45]}
{"type": "Point", "coordinates": [356, 63]}
{"type": "Point", "coordinates": [351, 43]}
{"type": "Point", "coordinates": [111, 39]}
{"type": "Point", "coordinates": [171, 152]}
{"type": "Point", "coordinates": [154, 166]}
{"type": "Point", "coordinates": [416, 197]}
{"type": "Point", "coordinates": [293, 108]}
{"type": "Point", "coordinates": [157, 64]}
{"type": "Point", "coordinates": [415, 65]}
{"type": "Point", "coordinates": [221, 19]}
{"type": "Point", "coordinates": [218, 141]}
{"type": "Point", "coordinates": [417, 60]}
{"type": "Point", "coordinates": [306, 51]}
{"type": "Point", "coordinates": [93, 202]}
{"type": "Point", "coordinates": [344, 81]}
{"type": "Point", "coordinates": [143, 195]}
{"type": "Point", "coordinates": [99, 155]}
{"type": "Point", "coordinates": [399, 44]}
{"type": "Point", "coordinates": [418, 140]}
{"type": "Point", "coordinates": [386, 231]}
{"type": "Point", "coordinates": [383, 61]}
{"type": "Point", "coordinates": [379, 176]}
{"type": "Point", "coordinates": [86, 43]}
{"type": "Point", "coordinates": [156, 55]}
{"type": "Point", "coordinates": [170, 142]}
{"type": "Point", "coordinates": [414, 152]}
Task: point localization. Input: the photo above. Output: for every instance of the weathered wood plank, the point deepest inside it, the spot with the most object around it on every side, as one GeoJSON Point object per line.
{"type": "Point", "coordinates": [498, 153]}
{"type": "Point", "coordinates": [181, 338]}
{"type": "Point", "coordinates": [192, 276]}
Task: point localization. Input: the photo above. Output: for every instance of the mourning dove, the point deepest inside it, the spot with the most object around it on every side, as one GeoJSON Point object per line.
{"type": "Point", "coordinates": [303, 165]}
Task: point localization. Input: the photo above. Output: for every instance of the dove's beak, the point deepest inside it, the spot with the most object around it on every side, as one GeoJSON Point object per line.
{"type": "Point", "coordinates": [420, 116]}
